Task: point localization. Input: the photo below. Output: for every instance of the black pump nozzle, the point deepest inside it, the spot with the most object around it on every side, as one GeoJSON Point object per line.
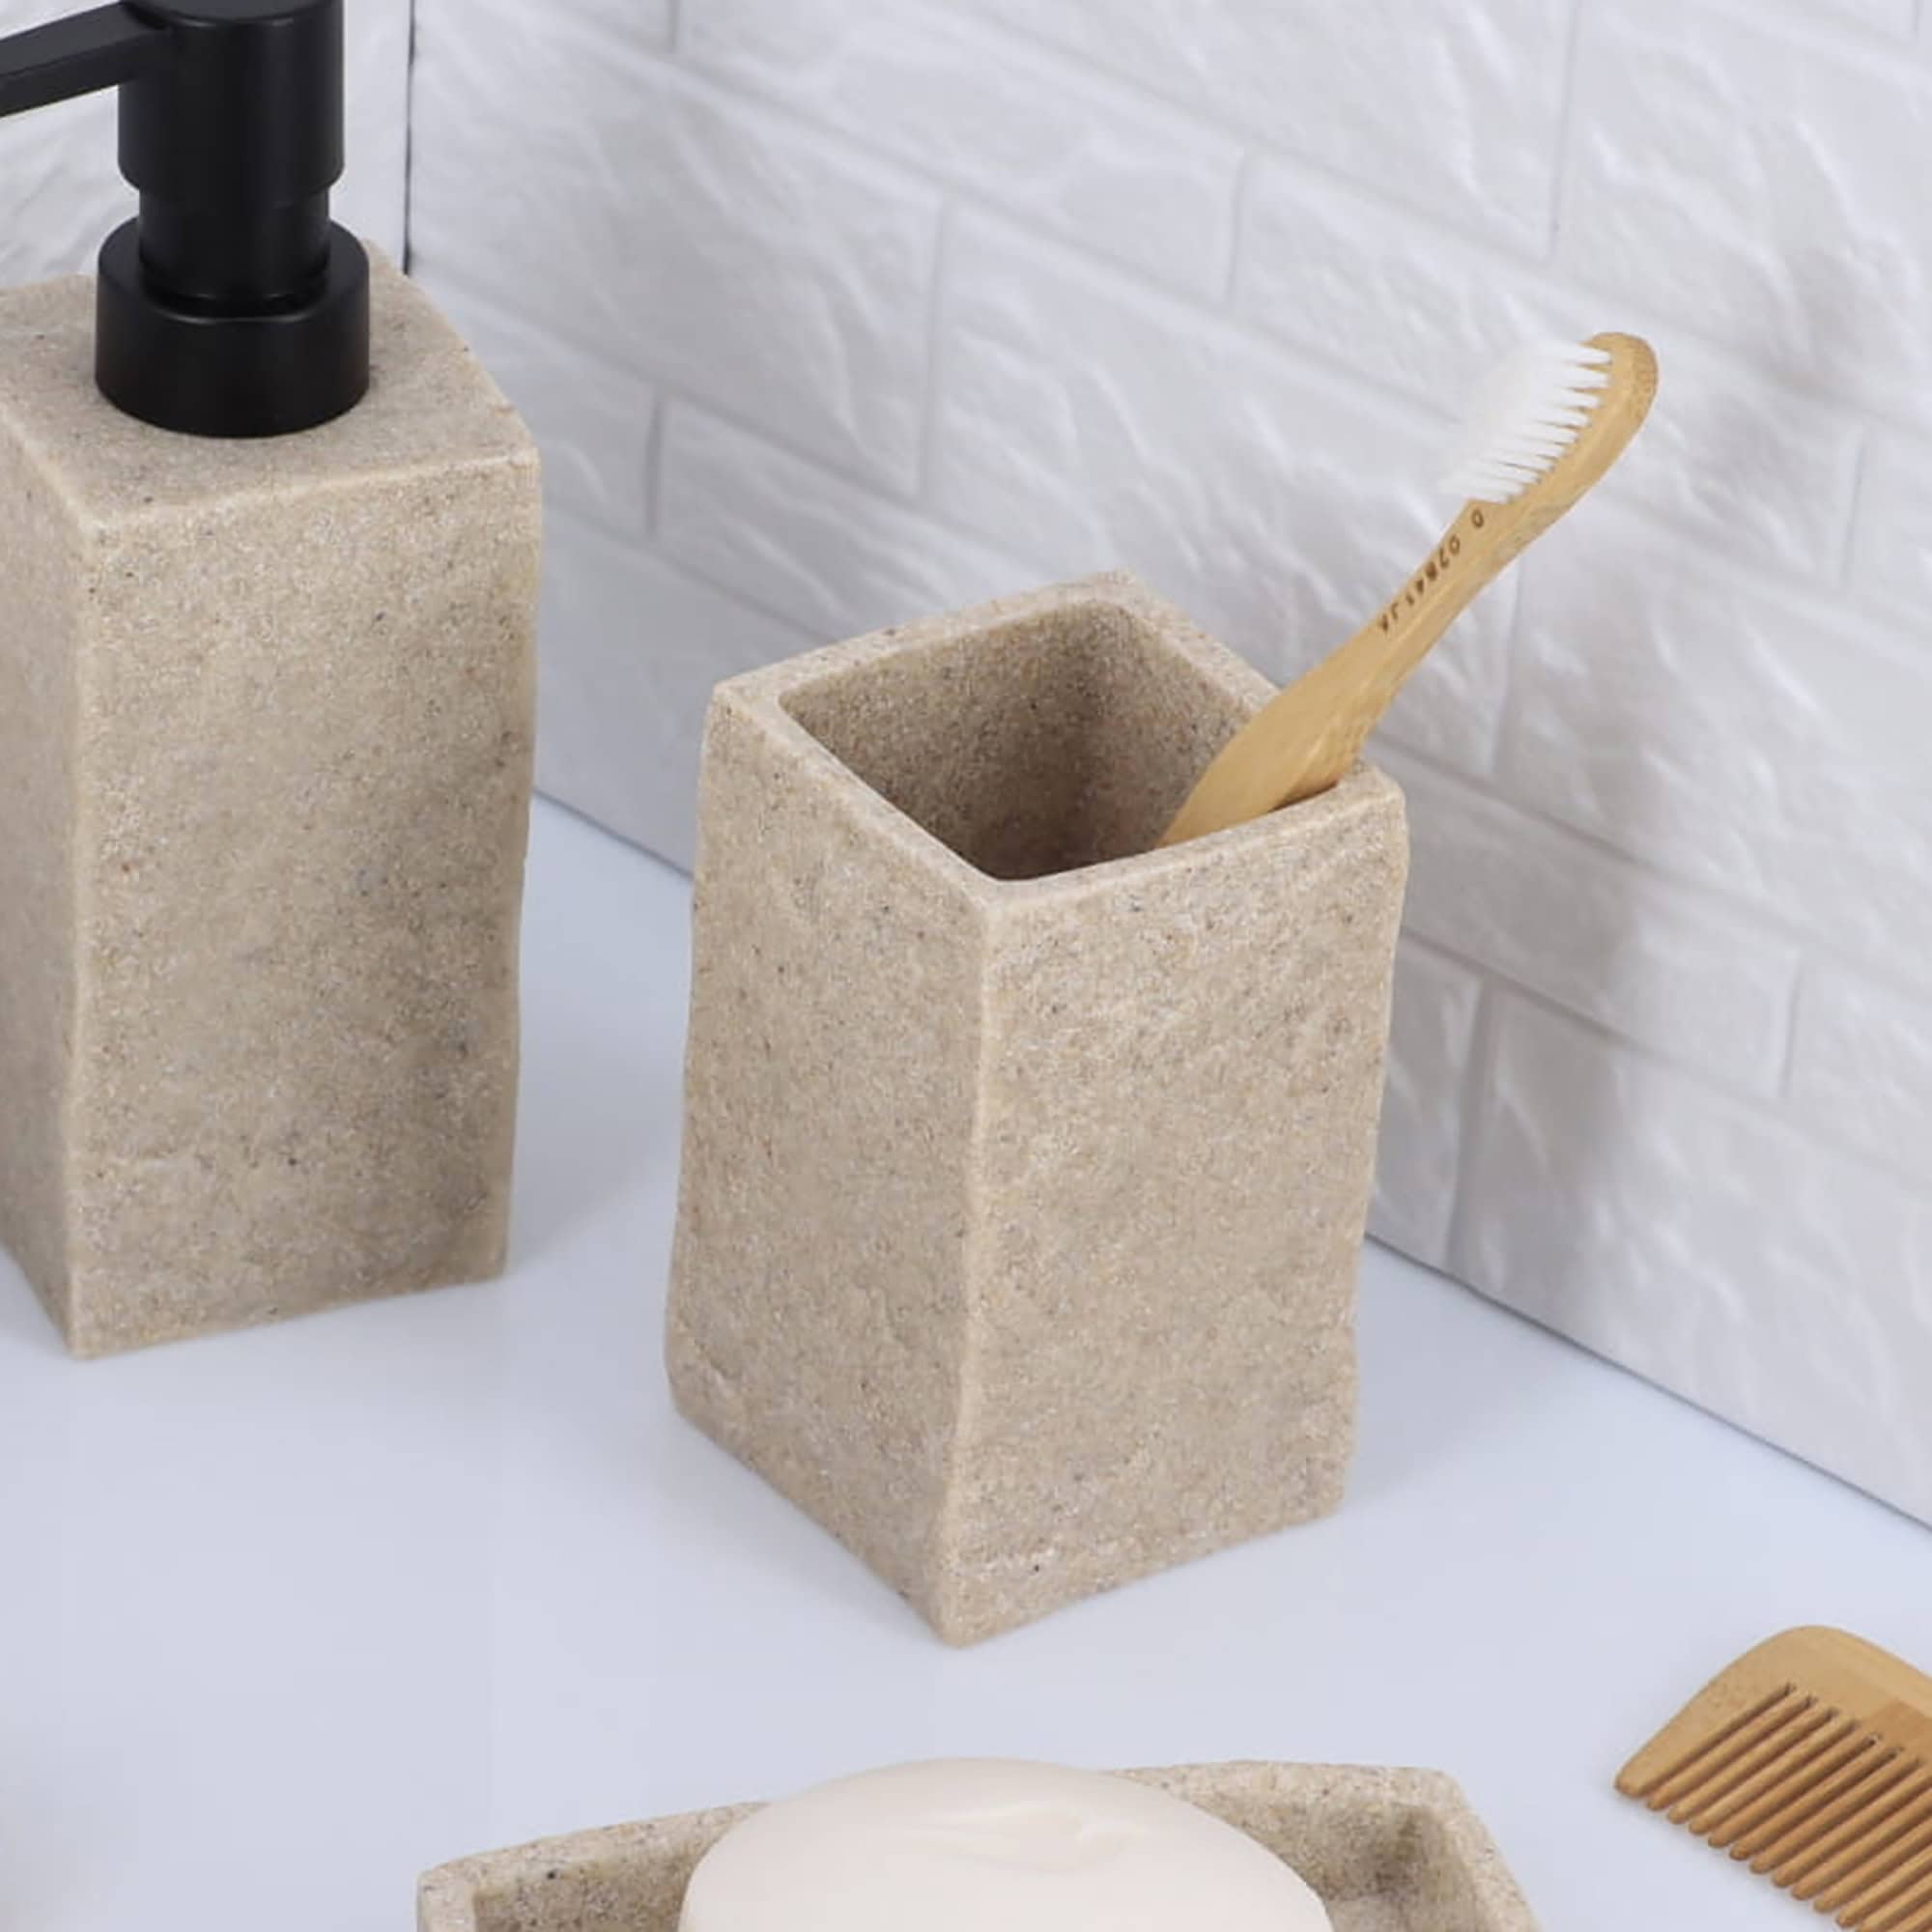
{"type": "Point", "coordinates": [233, 306]}
{"type": "Point", "coordinates": [82, 55]}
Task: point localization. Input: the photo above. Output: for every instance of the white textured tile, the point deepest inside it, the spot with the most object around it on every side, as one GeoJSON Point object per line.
{"type": "Point", "coordinates": [1708, 1247]}
{"type": "Point", "coordinates": [61, 191]}
{"type": "Point", "coordinates": [631, 650]}
{"type": "Point", "coordinates": [1729, 455]}
{"type": "Point", "coordinates": [1365, 283]}
{"type": "Point", "coordinates": [1083, 422]}
{"type": "Point", "coordinates": [1766, 186]}
{"type": "Point", "coordinates": [1454, 108]}
{"type": "Point", "coordinates": [1767, 747]}
{"type": "Point", "coordinates": [1892, 551]}
{"type": "Point", "coordinates": [1861, 1069]}
{"type": "Point", "coordinates": [1435, 1002]}
{"type": "Point", "coordinates": [704, 243]}
{"type": "Point", "coordinates": [1883, 16]}
{"type": "Point", "coordinates": [1608, 939]}
{"type": "Point", "coordinates": [591, 418]}
{"type": "Point", "coordinates": [1096, 161]}
{"type": "Point", "coordinates": [373, 200]}
{"type": "Point", "coordinates": [626, 22]}
{"type": "Point", "coordinates": [833, 558]}
{"type": "Point", "coordinates": [1891, 16]}
{"type": "Point", "coordinates": [1369, 287]}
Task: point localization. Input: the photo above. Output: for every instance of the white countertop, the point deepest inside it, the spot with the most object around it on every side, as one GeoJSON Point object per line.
{"type": "Point", "coordinates": [286, 1617]}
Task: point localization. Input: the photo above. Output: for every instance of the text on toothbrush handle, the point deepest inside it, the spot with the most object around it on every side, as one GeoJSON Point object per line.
{"type": "Point", "coordinates": [1438, 566]}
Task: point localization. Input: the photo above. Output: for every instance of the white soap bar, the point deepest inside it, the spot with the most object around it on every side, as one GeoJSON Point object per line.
{"type": "Point", "coordinates": [990, 1846]}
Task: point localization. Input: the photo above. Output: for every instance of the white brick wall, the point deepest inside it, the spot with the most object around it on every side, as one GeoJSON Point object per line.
{"type": "Point", "coordinates": [1891, 559]}
{"type": "Point", "coordinates": [1761, 180]}
{"type": "Point", "coordinates": [830, 313]}
{"type": "Point", "coordinates": [1714, 1246]}
{"type": "Point", "coordinates": [1453, 110]}
{"type": "Point", "coordinates": [1436, 1002]}
{"type": "Point", "coordinates": [1114, 171]}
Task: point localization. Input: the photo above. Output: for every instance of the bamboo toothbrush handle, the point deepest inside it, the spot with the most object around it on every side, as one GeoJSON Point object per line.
{"type": "Point", "coordinates": [1307, 738]}
{"type": "Point", "coordinates": [1310, 735]}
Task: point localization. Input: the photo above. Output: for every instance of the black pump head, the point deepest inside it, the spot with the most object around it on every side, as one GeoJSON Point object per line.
{"type": "Point", "coordinates": [233, 306]}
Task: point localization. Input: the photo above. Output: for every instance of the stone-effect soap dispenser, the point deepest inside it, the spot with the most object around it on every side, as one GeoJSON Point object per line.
{"type": "Point", "coordinates": [269, 558]}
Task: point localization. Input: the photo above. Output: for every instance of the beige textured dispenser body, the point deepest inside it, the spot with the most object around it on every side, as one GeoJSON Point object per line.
{"type": "Point", "coordinates": [266, 722]}
{"type": "Point", "coordinates": [1024, 1167]}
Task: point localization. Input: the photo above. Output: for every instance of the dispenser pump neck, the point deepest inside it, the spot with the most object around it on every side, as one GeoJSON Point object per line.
{"type": "Point", "coordinates": [232, 306]}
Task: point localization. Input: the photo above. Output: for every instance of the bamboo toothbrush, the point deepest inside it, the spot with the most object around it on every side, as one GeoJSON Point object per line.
{"type": "Point", "coordinates": [1546, 428]}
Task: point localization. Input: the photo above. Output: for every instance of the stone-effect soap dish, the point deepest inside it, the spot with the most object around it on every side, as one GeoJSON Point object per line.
{"type": "Point", "coordinates": [1389, 1851]}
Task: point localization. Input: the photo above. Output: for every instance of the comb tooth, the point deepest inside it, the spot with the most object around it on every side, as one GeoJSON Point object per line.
{"type": "Point", "coordinates": [1722, 1775]}
{"type": "Point", "coordinates": [1743, 1776]}
{"type": "Point", "coordinates": [1864, 1825]}
{"type": "Point", "coordinates": [1832, 1879]}
{"type": "Point", "coordinates": [1891, 1895]}
{"type": "Point", "coordinates": [1665, 1789]}
{"type": "Point", "coordinates": [1798, 1772]}
{"type": "Point", "coordinates": [1910, 1904]}
{"type": "Point", "coordinates": [1778, 1833]}
{"type": "Point", "coordinates": [1891, 1785]}
{"type": "Point", "coordinates": [1919, 1922]}
{"type": "Point", "coordinates": [1705, 1746]}
{"type": "Point", "coordinates": [1872, 1865]}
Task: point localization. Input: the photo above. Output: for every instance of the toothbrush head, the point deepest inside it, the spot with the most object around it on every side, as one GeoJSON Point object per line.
{"type": "Point", "coordinates": [1529, 415]}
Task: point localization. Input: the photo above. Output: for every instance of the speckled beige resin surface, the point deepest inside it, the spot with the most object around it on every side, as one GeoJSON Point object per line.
{"type": "Point", "coordinates": [1025, 1168]}
{"type": "Point", "coordinates": [265, 759]}
{"type": "Point", "coordinates": [1388, 1851]}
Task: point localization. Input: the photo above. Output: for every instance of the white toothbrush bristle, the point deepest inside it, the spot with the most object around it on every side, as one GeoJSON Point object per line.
{"type": "Point", "coordinates": [1524, 417]}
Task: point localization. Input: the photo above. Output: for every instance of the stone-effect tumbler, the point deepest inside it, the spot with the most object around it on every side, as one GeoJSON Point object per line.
{"type": "Point", "coordinates": [1025, 1168]}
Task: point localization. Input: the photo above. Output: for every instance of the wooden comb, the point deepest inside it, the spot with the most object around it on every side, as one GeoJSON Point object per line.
{"type": "Point", "coordinates": [1812, 1758]}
